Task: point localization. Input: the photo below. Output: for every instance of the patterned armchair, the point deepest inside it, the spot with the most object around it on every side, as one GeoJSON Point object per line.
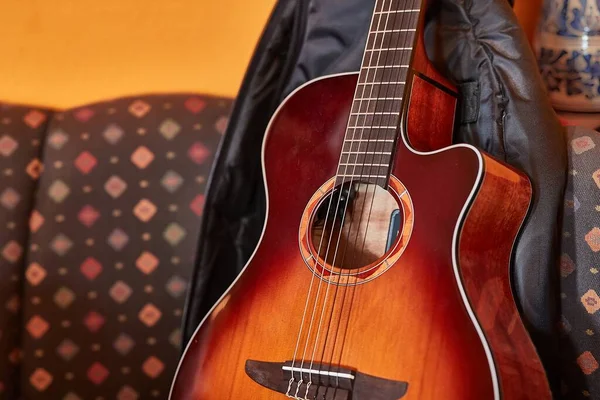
{"type": "Point", "coordinates": [21, 134]}
{"type": "Point", "coordinates": [580, 268]}
{"type": "Point", "coordinates": [99, 217]}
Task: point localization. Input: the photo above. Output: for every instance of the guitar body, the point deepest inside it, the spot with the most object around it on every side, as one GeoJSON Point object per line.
{"type": "Point", "coordinates": [440, 319]}
{"type": "Point", "coordinates": [428, 316]}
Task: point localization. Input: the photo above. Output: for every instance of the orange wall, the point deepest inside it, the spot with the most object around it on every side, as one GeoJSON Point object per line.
{"type": "Point", "coordinates": [67, 52]}
{"type": "Point", "coordinates": [64, 53]}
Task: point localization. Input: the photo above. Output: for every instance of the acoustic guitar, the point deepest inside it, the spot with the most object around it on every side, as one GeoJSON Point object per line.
{"type": "Point", "coordinates": [383, 269]}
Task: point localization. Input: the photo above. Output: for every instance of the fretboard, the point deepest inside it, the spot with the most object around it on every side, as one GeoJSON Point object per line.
{"type": "Point", "coordinates": [372, 130]}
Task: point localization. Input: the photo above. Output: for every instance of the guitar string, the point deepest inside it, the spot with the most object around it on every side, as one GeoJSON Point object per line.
{"type": "Point", "coordinates": [343, 316]}
{"type": "Point", "coordinates": [398, 20]}
{"type": "Point", "coordinates": [350, 185]}
{"type": "Point", "coordinates": [405, 57]}
{"type": "Point", "coordinates": [292, 369]}
{"type": "Point", "coordinates": [343, 219]}
{"type": "Point", "coordinates": [401, 76]}
{"type": "Point", "coordinates": [335, 257]}
{"type": "Point", "coordinates": [391, 120]}
{"type": "Point", "coordinates": [353, 175]}
{"type": "Point", "coordinates": [317, 261]}
{"type": "Point", "coordinates": [398, 23]}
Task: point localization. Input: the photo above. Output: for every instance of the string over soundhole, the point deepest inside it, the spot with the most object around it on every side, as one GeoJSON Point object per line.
{"type": "Point", "coordinates": [352, 233]}
{"type": "Point", "coordinates": [354, 225]}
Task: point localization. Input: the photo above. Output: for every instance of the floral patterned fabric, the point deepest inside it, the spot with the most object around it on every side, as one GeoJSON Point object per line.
{"type": "Point", "coordinates": [21, 133]}
{"type": "Point", "coordinates": [112, 243]}
{"type": "Point", "coordinates": [580, 268]}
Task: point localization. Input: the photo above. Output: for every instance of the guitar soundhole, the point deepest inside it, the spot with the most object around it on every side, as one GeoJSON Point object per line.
{"type": "Point", "coordinates": [355, 225]}
{"type": "Point", "coordinates": [353, 233]}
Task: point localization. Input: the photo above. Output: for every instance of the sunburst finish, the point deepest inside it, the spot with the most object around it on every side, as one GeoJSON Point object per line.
{"type": "Point", "coordinates": [410, 324]}
{"type": "Point", "coordinates": [440, 317]}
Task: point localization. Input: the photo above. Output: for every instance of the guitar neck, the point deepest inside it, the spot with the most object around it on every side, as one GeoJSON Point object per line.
{"type": "Point", "coordinates": [373, 124]}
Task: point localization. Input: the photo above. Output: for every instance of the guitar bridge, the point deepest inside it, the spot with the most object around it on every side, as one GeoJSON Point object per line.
{"type": "Point", "coordinates": [323, 382]}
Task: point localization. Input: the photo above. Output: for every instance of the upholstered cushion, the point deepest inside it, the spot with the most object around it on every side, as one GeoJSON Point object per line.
{"type": "Point", "coordinates": [112, 245]}
{"type": "Point", "coordinates": [21, 134]}
{"type": "Point", "coordinates": [580, 268]}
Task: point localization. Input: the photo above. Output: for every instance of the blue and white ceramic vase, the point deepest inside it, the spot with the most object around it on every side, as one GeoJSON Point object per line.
{"type": "Point", "coordinates": [568, 50]}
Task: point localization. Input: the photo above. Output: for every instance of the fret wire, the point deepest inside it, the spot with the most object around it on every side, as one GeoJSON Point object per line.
{"type": "Point", "coordinates": [361, 176]}
{"type": "Point", "coordinates": [369, 160]}
{"type": "Point", "coordinates": [391, 49]}
{"type": "Point", "coordinates": [379, 118]}
{"type": "Point", "coordinates": [384, 153]}
{"type": "Point", "coordinates": [372, 127]}
{"type": "Point", "coordinates": [375, 113]}
{"type": "Point", "coordinates": [381, 114]}
{"type": "Point", "coordinates": [384, 106]}
{"type": "Point", "coordinates": [360, 126]}
{"type": "Point", "coordinates": [396, 4]}
{"type": "Point", "coordinates": [356, 160]}
{"type": "Point", "coordinates": [385, 66]}
{"type": "Point", "coordinates": [365, 165]}
{"type": "Point", "coordinates": [380, 98]}
{"type": "Point", "coordinates": [382, 83]}
{"type": "Point", "coordinates": [393, 31]}
{"type": "Point", "coordinates": [371, 141]}
{"type": "Point", "coordinates": [368, 145]}
{"type": "Point", "coordinates": [396, 11]}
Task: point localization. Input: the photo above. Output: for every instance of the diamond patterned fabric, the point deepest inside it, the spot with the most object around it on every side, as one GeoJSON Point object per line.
{"type": "Point", "coordinates": [94, 266]}
{"type": "Point", "coordinates": [580, 268]}
{"type": "Point", "coordinates": [21, 134]}
{"type": "Point", "coordinates": [111, 244]}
